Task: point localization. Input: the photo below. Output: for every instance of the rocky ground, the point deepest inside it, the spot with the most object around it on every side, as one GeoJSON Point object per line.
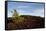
{"type": "Point", "coordinates": [30, 22]}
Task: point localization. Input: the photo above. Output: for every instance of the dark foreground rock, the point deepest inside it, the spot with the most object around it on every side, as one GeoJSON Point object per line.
{"type": "Point", "coordinates": [30, 22]}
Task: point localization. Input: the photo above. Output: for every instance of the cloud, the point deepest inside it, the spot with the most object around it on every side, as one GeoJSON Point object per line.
{"type": "Point", "coordinates": [22, 7]}
{"type": "Point", "coordinates": [37, 12]}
